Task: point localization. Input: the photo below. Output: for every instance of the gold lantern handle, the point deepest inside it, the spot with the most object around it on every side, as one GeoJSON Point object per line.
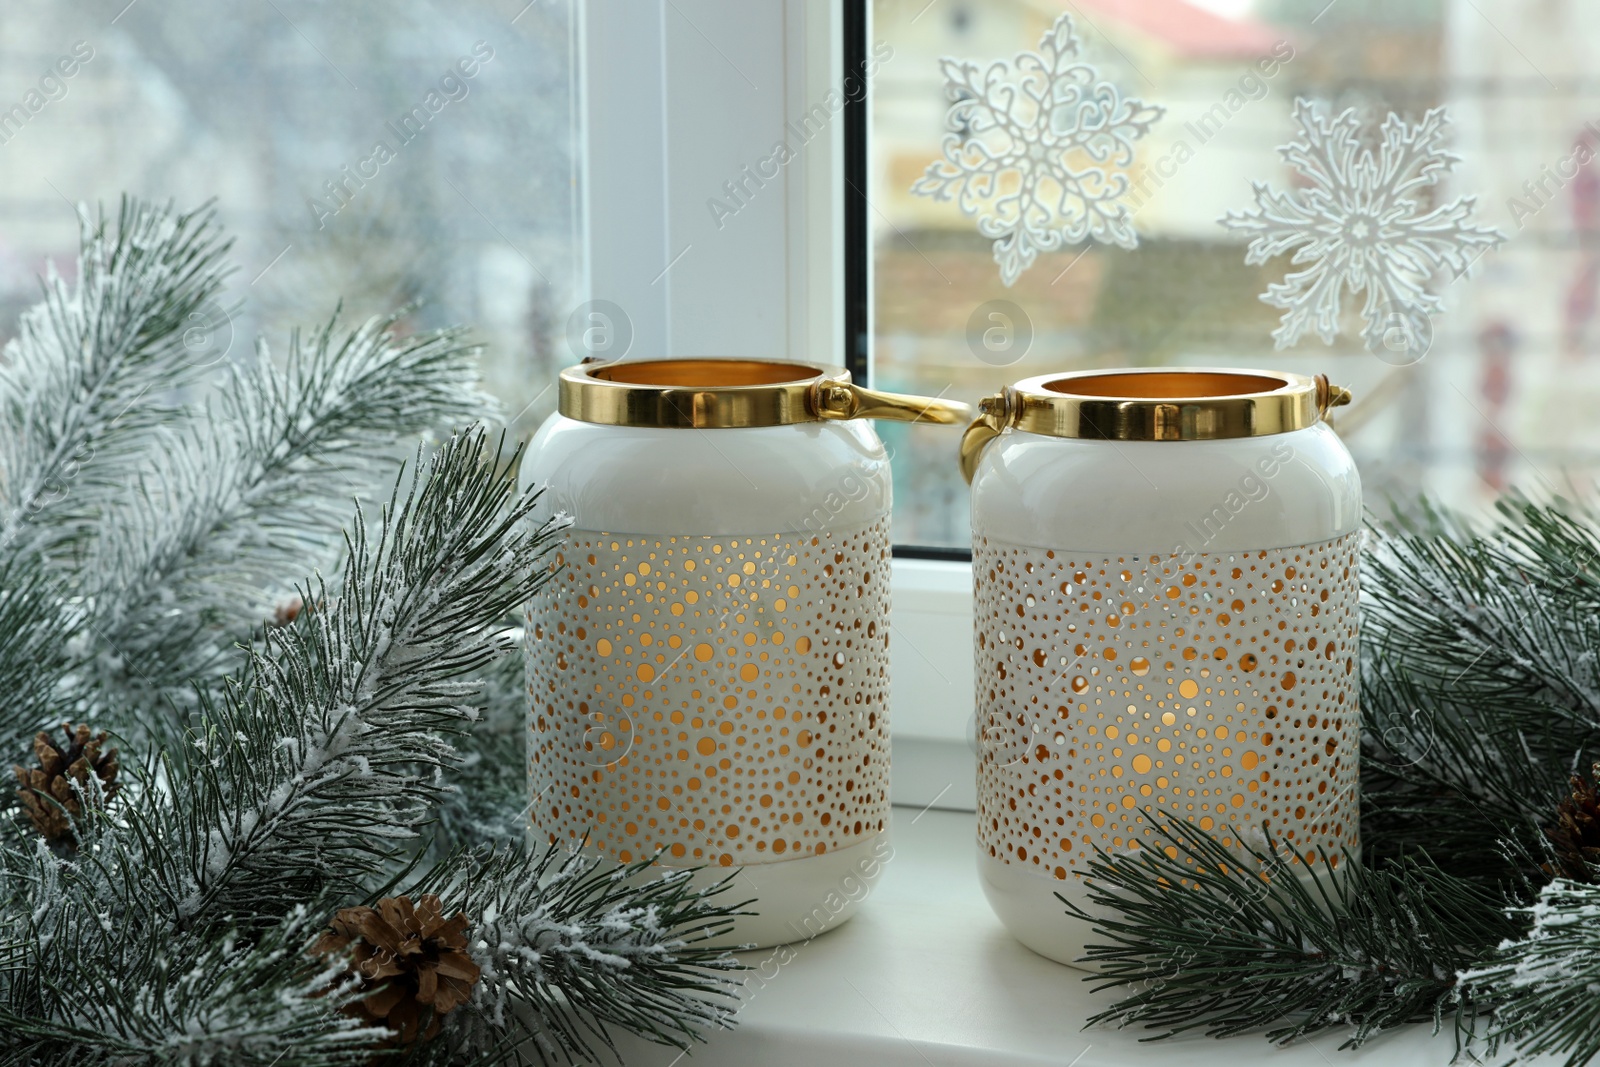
{"type": "Point", "coordinates": [833, 398]}
{"type": "Point", "coordinates": [1330, 395]}
{"type": "Point", "coordinates": [994, 414]}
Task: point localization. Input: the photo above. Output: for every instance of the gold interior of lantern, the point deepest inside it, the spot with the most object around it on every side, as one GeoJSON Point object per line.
{"type": "Point", "coordinates": [705, 373]}
{"type": "Point", "coordinates": [1166, 385]}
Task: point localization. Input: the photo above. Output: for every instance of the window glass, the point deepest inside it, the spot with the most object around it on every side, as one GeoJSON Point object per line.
{"type": "Point", "coordinates": [386, 153]}
{"type": "Point", "coordinates": [1485, 391]}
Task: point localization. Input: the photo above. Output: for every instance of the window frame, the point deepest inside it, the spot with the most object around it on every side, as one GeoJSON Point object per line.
{"type": "Point", "coordinates": [856, 251]}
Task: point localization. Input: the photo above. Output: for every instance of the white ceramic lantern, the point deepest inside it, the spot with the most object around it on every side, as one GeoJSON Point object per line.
{"type": "Point", "coordinates": [708, 670]}
{"type": "Point", "coordinates": [1164, 563]}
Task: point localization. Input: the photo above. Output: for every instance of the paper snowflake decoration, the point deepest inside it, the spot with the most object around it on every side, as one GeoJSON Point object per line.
{"type": "Point", "coordinates": [1358, 222]}
{"type": "Point", "coordinates": [1030, 147]}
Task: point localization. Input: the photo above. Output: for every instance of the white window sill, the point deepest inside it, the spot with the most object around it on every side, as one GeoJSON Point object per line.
{"type": "Point", "coordinates": [925, 976]}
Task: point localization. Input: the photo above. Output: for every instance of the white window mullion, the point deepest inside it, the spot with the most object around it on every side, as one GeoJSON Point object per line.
{"type": "Point", "coordinates": [711, 239]}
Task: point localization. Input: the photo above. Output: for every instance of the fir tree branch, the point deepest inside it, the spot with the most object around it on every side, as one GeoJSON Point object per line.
{"type": "Point", "coordinates": [341, 723]}
{"type": "Point", "coordinates": [570, 946]}
{"type": "Point", "coordinates": [1446, 772]}
{"type": "Point", "coordinates": [1543, 982]}
{"type": "Point", "coordinates": [1206, 938]}
{"type": "Point", "coordinates": [485, 800]}
{"type": "Point", "coordinates": [222, 1001]}
{"type": "Point", "coordinates": [311, 773]}
{"type": "Point", "coordinates": [36, 621]}
{"type": "Point", "coordinates": [91, 369]}
{"type": "Point", "coordinates": [251, 488]}
{"type": "Point", "coordinates": [1504, 614]}
{"type": "Point", "coordinates": [1480, 694]}
{"type": "Point", "coordinates": [1478, 690]}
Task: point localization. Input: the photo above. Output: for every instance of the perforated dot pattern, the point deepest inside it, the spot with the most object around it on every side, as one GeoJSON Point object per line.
{"type": "Point", "coordinates": [722, 698]}
{"type": "Point", "coordinates": [1219, 690]}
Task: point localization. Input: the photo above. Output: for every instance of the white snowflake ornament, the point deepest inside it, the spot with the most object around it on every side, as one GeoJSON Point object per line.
{"type": "Point", "coordinates": [1031, 147]}
{"type": "Point", "coordinates": [1358, 223]}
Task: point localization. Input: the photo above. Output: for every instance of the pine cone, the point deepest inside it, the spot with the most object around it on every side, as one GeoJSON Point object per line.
{"type": "Point", "coordinates": [1576, 834]}
{"type": "Point", "coordinates": [49, 784]}
{"type": "Point", "coordinates": [412, 963]}
{"type": "Point", "coordinates": [288, 611]}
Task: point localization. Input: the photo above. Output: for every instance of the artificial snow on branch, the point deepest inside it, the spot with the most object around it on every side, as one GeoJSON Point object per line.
{"type": "Point", "coordinates": [1544, 981]}
{"type": "Point", "coordinates": [248, 486]}
{"type": "Point", "coordinates": [90, 372]}
{"type": "Point", "coordinates": [549, 924]}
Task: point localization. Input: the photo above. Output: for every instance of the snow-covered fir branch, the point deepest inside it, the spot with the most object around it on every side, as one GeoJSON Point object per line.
{"type": "Point", "coordinates": [301, 788]}
{"type": "Point", "coordinates": [1478, 692]}
{"type": "Point", "coordinates": [323, 758]}
{"type": "Point", "coordinates": [1545, 981]}
{"type": "Point", "coordinates": [93, 368]}
{"type": "Point", "coordinates": [567, 941]}
{"type": "Point", "coordinates": [36, 623]}
{"type": "Point", "coordinates": [174, 923]}
{"type": "Point", "coordinates": [311, 773]}
{"type": "Point", "coordinates": [485, 798]}
{"type": "Point", "coordinates": [211, 1002]}
{"type": "Point", "coordinates": [242, 501]}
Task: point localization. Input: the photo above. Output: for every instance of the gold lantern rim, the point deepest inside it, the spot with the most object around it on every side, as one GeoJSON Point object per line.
{"type": "Point", "coordinates": [1152, 404]}
{"type": "Point", "coordinates": [711, 393]}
